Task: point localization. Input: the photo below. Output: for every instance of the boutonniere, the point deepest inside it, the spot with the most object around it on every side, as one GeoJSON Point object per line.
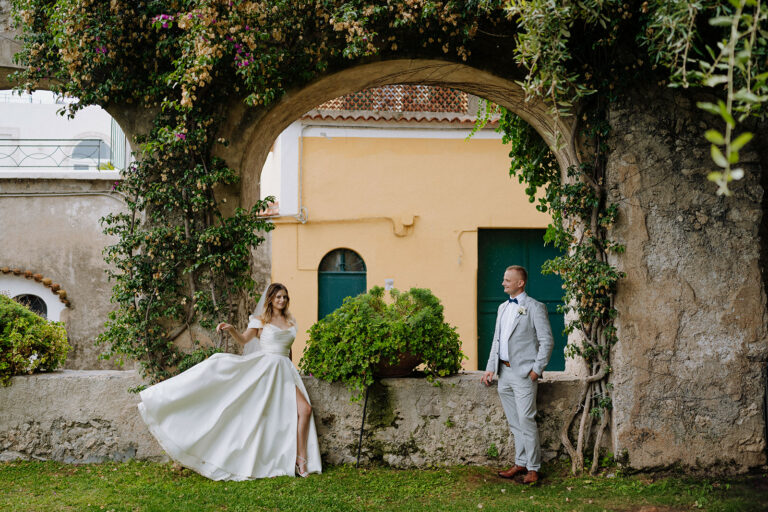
{"type": "Point", "coordinates": [521, 310]}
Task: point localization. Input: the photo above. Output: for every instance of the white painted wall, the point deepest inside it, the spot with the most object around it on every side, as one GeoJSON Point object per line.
{"type": "Point", "coordinates": [281, 174]}
{"type": "Point", "coordinates": [40, 121]}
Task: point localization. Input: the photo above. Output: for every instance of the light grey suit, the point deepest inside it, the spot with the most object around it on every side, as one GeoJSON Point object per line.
{"type": "Point", "coordinates": [529, 347]}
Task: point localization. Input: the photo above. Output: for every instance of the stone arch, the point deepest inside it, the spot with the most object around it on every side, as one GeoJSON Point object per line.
{"type": "Point", "coordinates": [252, 137]}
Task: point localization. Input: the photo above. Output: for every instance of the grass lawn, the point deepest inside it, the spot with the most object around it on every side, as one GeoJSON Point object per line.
{"type": "Point", "coordinates": [52, 486]}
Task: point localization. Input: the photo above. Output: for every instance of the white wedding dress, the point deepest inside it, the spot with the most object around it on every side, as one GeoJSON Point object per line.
{"type": "Point", "coordinates": [234, 417]}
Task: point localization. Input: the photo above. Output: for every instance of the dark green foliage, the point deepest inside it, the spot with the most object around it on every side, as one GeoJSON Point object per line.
{"type": "Point", "coordinates": [532, 161]}
{"type": "Point", "coordinates": [347, 345]}
{"type": "Point", "coordinates": [28, 343]}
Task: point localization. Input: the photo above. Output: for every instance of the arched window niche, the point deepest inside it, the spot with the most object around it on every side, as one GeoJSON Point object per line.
{"type": "Point", "coordinates": [35, 292]}
{"type": "Point", "coordinates": [341, 274]}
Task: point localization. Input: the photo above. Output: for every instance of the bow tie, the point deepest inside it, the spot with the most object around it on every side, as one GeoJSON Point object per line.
{"type": "Point", "coordinates": [513, 300]}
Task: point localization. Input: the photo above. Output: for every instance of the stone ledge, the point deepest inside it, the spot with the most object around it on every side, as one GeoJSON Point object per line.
{"type": "Point", "coordinates": [35, 173]}
{"type": "Point", "coordinates": [78, 416]}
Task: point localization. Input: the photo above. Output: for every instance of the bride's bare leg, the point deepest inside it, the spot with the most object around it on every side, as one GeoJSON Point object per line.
{"type": "Point", "coordinates": [304, 412]}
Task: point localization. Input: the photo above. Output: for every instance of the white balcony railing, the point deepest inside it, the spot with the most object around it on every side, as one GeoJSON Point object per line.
{"type": "Point", "coordinates": [69, 154]}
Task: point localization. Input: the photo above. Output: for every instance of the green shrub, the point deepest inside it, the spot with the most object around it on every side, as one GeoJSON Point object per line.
{"type": "Point", "coordinates": [348, 344]}
{"type": "Point", "coordinates": [28, 342]}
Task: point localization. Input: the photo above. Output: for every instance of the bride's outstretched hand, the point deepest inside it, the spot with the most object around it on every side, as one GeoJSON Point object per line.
{"type": "Point", "coordinates": [223, 326]}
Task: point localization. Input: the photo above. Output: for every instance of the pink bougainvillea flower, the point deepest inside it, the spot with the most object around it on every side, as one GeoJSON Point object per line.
{"type": "Point", "coordinates": [181, 136]}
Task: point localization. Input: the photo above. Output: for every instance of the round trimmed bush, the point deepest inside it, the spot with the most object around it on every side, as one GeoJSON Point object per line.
{"type": "Point", "coordinates": [28, 342]}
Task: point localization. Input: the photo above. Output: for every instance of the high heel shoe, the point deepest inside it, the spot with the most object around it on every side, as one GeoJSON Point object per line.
{"type": "Point", "coordinates": [301, 462]}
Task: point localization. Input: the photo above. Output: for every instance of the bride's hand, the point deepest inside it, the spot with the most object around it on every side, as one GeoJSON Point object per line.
{"type": "Point", "coordinates": [223, 326]}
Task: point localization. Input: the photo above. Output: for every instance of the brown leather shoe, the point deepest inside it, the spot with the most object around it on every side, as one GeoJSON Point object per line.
{"type": "Point", "coordinates": [511, 472]}
{"type": "Point", "coordinates": [531, 478]}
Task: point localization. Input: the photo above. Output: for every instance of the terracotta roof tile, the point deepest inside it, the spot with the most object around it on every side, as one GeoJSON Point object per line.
{"type": "Point", "coordinates": [56, 289]}
{"type": "Point", "coordinates": [399, 103]}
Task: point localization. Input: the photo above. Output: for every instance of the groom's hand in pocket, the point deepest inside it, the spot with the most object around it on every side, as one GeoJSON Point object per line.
{"type": "Point", "coordinates": [487, 378]}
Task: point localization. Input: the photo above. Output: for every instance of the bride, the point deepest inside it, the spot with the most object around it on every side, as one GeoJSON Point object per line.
{"type": "Point", "coordinates": [240, 417]}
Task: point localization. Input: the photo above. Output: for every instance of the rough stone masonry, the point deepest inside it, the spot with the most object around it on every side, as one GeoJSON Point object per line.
{"type": "Point", "coordinates": [689, 369]}
{"type": "Point", "coordinates": [89, 416]}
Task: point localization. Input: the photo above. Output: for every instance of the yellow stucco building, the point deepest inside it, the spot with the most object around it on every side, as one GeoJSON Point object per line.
{"type": "Point", "coordinates": [420, 204]}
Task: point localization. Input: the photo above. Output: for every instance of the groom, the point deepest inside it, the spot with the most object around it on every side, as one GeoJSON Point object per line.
{"type": "Point", "coordinates": [522, 344]}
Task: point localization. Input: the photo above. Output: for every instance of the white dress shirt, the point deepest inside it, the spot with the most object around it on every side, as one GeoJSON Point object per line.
{"type": "Point", "coordinates": [508, 317]}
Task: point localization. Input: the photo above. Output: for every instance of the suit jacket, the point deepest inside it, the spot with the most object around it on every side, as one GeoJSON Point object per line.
{"type": "Point", "coordinates": [531, 342]}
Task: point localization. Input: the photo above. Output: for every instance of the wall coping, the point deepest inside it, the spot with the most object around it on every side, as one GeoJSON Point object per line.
{"type": "Point", "coordinates": [50, 174]}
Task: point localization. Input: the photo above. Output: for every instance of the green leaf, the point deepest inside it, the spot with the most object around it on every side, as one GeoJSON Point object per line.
{"type": "Point", "coordinates": [715, 80]}
{"type": "Point", "coordinates": [744, 95]}
{"type": "Point", "coordinates": [715, 137]}
{"type": "Point", "coordinates": [720, 21]}
{"type": "Point", "coordinates": [725, 114]}
{"type": "Point", "coordinates": [708, 107]}
{"type": "Point", "coordinates": [741, 141]}
{"type": "Point", "coordinates": [718, 157]}
{"type": "Point", "coordinates": [762, 77]}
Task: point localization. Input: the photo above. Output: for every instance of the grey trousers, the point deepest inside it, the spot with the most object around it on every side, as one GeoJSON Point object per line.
{"type": "Point", "coordinates": [518, 398]}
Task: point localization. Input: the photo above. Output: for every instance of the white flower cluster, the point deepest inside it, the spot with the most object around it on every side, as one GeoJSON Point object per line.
{"type": "Point", "coordinates": [32, 362]}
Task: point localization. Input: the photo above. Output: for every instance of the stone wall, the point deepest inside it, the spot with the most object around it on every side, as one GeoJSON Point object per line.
{"type": "Point", "coordinates": [689, 367]}
{"type": "Point", "coordinates": [51, 227]}
{"type": "Point", "coordinates": [89, 416]}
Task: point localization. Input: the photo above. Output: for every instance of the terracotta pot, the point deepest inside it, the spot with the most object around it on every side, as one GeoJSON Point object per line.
{"type": "Point", "coordinates": [403, 368]}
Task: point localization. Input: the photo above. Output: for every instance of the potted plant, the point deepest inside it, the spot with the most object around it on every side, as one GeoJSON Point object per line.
{"type": "Point", "coordinates": [363, 337]}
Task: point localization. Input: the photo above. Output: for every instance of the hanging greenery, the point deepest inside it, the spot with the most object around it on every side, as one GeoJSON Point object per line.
{"type": "Point", "coordinates": [721, 45]}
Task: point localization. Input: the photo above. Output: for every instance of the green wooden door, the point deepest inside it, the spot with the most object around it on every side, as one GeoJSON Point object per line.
{"type": "Point", "coordinates": [341, 274]}
{"type": "Point", "coordinates": [498, 249]}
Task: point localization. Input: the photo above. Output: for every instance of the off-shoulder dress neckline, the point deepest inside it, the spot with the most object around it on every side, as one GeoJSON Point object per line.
{"type": "Point", "coordinates": [278, 328]}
